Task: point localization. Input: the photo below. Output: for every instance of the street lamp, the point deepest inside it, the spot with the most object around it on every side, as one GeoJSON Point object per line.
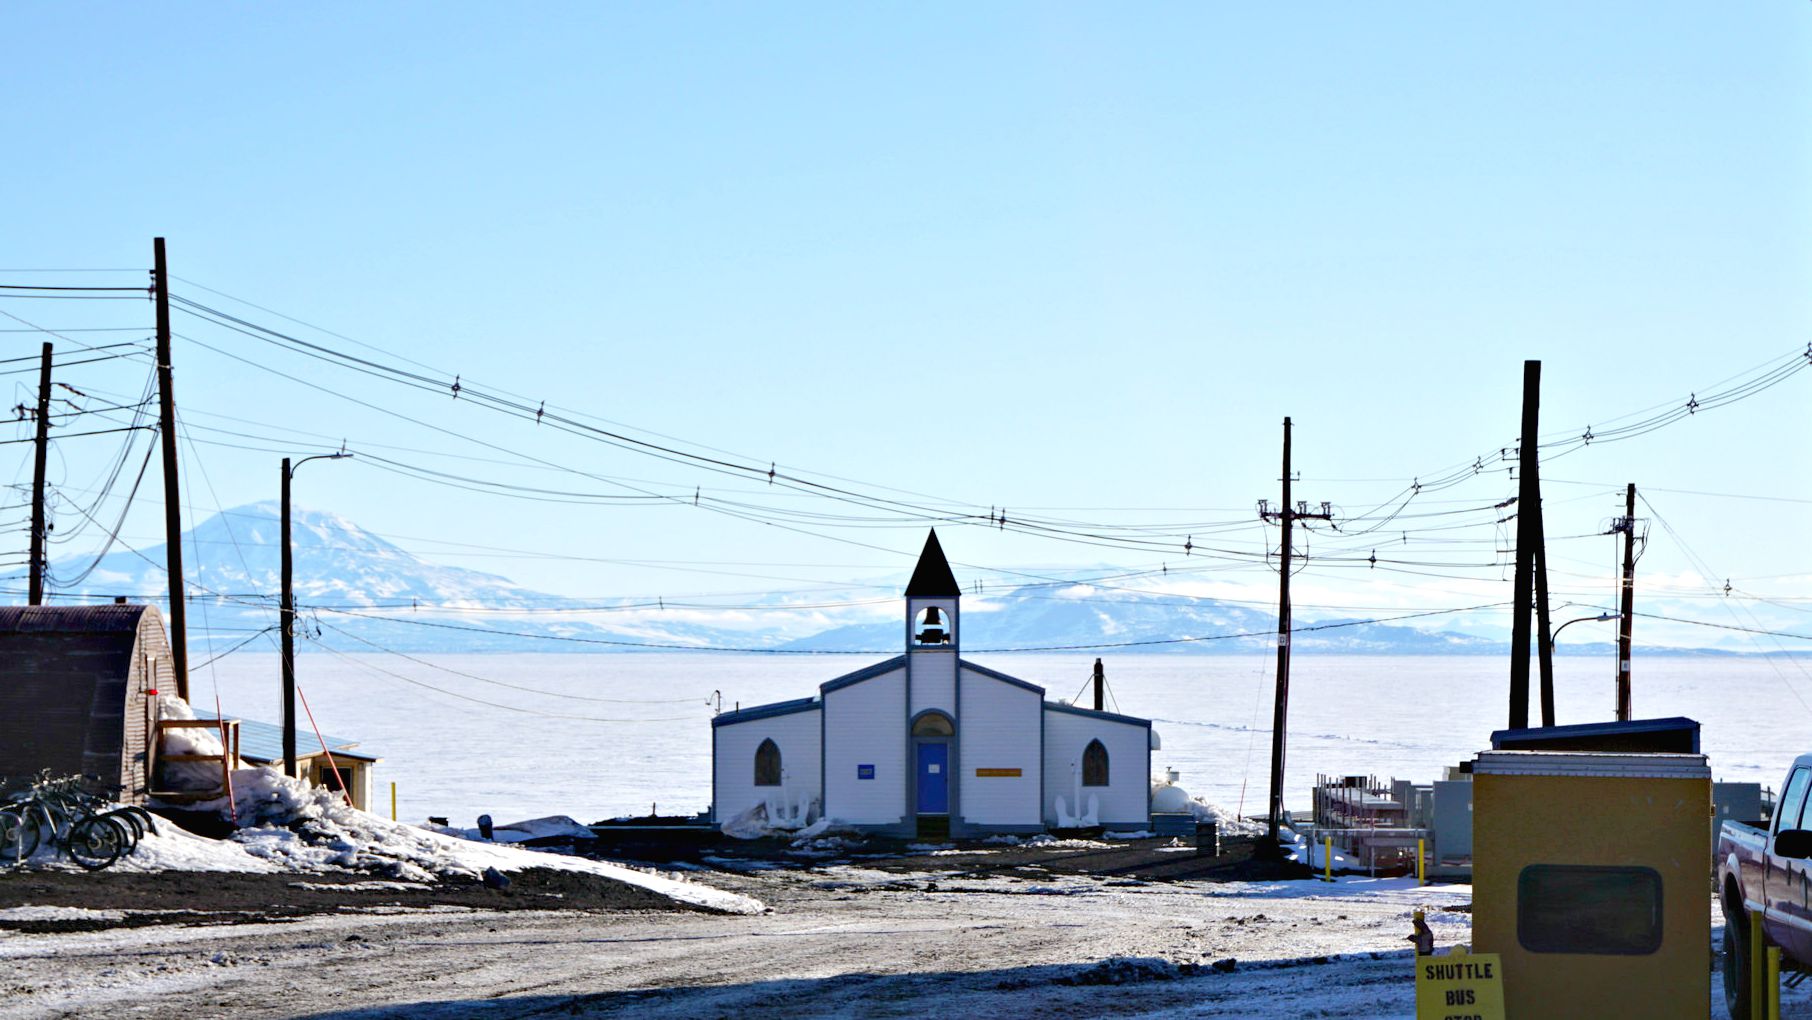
{"type": "Point", "coordinates": [1600, 618]}
{"type": "Point", "coordinates": [287, 620]}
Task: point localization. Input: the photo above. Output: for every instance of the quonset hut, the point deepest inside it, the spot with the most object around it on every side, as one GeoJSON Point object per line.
{"type": "Point", "coordinates": [928, 743]}
{"type": "Point", "coordinates": [76, 686]}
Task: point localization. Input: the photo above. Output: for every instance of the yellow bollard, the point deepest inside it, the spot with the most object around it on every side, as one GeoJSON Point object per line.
{"type": "Point", "coordinates": [1421, 854]}
{"type": "Point", "coordinates": [1774, 983]}
{"type": "Point", "coordinates": [1327, 859]}
{"type": "Point", "coordinates": [1757, 964]}
{"type": "Point", "coordinates": [393, 800]}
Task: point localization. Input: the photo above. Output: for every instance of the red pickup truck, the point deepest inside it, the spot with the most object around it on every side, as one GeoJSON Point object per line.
{"type": "Point", "coordinates": [1767, 871]}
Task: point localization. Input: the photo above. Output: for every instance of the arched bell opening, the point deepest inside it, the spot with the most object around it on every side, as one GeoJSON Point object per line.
{"type": "Point", "coordinates": [935, 627]}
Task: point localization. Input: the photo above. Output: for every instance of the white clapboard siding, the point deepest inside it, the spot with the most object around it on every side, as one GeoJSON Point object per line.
{"type": "Point", "coordinates": [797, 736]}
{"type": "Point", "coordinates": [998, 729]}
{"type": "Point", "coordinates": [865, 724]}
{"type": "Point", "coordinates": [1126, 801]}
{"type": "Point", "coordinates": [934, 682]}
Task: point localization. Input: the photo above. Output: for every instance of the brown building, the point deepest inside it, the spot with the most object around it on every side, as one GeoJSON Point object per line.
{"type": "Point", "coordinates": [76, 687]}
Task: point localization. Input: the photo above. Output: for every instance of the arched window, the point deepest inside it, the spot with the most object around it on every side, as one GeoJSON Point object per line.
{"type": "Point", "coordinates": [1094, 764]}
{"type": "Point", "coordinates": [933, 724]}
{"type": "Point", "coordinates": [767, 764]}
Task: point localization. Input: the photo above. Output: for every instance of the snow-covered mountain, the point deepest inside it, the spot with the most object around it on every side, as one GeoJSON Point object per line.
{"type": "Point", "coordinates": [358, 591]}
{"type": "Point", "coordinates": [1036, 617]}
{"type": "Point", "coordinates": [355, 589]}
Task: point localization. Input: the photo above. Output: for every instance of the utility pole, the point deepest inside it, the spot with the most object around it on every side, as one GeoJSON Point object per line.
{"type": "Point", "coordinates": [1100, 687]}
{"type": "Point", "coordinates": [1286, 515]}
{"type": "Point", "coordinates": [1531, 579]}
{"type": "Point", "coordinates": [37, 482]}
{"type": "Point", "coordinates": [166, 407]}
{"type": "Point", "coordinates": [1627, 610]}
{"type": "Point", "coordinates": [286, 620]}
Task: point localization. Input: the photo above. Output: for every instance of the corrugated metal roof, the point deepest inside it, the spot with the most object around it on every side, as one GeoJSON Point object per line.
{"type": "Point", "coordinates": [108, 619]}
{"type": "Point", "coordinates": [1591, 763]}
{"type": "Point", "coordinates": [742, 715]}
{"type": "Point", "coordinates": [262, 741]}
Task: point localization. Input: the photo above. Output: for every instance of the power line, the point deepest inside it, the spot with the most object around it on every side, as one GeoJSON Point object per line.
{"type": "Point", "coordinates": [489, 704]}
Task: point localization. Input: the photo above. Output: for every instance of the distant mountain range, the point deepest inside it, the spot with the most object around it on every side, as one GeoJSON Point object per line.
{"type": "Point", "coordinates": [358, 592]}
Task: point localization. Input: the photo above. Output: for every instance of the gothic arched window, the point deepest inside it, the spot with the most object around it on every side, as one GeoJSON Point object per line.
{"type": "Point", "coordinates": [767, 764]}
{"type": "Point", "coordinates": [1094, 764]}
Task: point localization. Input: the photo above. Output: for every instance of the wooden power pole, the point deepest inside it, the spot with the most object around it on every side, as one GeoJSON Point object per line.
{"type": "Point", "coordinates": [1531, 579]}
{"type": "Point", "coordinates": [166, 406]}
{"type": "Point", "coordinates": [40, 455]}
{"type": "Point", "coordinates": [1286, 515]}
{"type": "Point", "coordinates": [286, 620]}
{"type": "Point", "coordinates": [1626, 612]}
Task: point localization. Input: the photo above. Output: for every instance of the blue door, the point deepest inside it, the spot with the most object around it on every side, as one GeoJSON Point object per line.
{"type": "Point", "coordinates": [934, 779]}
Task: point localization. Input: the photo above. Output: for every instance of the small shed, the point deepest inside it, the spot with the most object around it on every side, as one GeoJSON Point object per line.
{"type": "Point", "coordinates": [261, 743]}
{"type": "Point", "coordinates": [77, 688]}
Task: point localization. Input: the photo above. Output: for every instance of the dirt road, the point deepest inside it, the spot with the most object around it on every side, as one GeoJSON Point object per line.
{"type": "Point", "coordinates": [839, 942]}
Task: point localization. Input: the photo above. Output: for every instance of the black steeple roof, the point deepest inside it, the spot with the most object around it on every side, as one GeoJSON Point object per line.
{"type": "Point", "coordinates": [932, 576]}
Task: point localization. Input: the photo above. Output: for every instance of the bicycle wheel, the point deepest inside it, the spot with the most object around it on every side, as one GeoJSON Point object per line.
{"type": "Point", "coordinates": [143, 817]}
{"type": "Point", "coordinates": [96, 842]}
{"type": "Point", "coordinates": [44, 822]}
{"type": "Point", "coordinates": [18, 841]}
{"type": "Point", "coordinates": [134, 828]}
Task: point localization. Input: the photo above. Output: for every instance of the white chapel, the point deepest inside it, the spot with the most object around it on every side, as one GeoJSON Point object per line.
{"type": "Point", "coordinates": [929, 743]}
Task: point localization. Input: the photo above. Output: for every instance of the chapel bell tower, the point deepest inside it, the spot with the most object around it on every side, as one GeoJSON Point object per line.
{"type": "Point", "coordinates": [931, 602]}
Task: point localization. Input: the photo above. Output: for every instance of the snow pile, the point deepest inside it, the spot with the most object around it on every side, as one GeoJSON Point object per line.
{"type": "Point", "coordinates": [30, 912]}
{"type": "Point", "coordinates": [751, 824]}
{"type": "Point", "coordinates": [187, 775]}
{"type": "Point", "coordinates": [1229, 823]}
{"type": "Point", "coordinates": [169, 848]}
{"type": "Point", "coordinates": [299, 827]}
{"type": "Point", "coordinates": [776, 817]}
{"type": "Point", "coordinates": [825, 827]}
{"type": "Point", "coordinates": [827, 836]}
{"type": "Point", "coordinates": [173, 848]}
{"type": "Point", "coordinates": [1044, 841]}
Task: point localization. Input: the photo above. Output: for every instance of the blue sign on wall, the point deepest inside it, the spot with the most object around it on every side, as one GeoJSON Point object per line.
{"type": "Point", "coordinates": [865, 771]}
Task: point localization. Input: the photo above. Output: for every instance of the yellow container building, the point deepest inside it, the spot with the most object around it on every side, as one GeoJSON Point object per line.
{"type": "Point", "coordinates": [1590, 879]}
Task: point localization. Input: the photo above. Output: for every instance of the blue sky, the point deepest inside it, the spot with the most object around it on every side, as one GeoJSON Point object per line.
{"type": "Point", "coordinates": [1033, 256]}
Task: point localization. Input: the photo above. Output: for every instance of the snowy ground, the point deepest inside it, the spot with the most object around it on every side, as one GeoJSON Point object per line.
{"type": "Point", "coordinates": [841, 942]}
{"type": "Point", "coordinates": [1348, 715]}
{"type": "Point", "coordinates": [320, 834]}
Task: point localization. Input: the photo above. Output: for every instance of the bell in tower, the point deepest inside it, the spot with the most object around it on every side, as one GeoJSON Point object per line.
{"type": "Point", "coordinates": [934, 632]}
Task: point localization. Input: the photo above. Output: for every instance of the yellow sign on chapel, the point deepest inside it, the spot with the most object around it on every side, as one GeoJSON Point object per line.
{"type": "Point", "coordinates": [1460, 986]}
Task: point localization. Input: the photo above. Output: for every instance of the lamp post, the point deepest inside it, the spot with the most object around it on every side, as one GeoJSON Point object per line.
{"type": "Point", "coordinates": [1600, 618]}
{"type": "Point", "coordinates": [287, 619]}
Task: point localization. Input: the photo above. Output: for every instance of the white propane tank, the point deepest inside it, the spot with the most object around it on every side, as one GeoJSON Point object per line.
{"type": "Point", "coordinates": [1170, 799]}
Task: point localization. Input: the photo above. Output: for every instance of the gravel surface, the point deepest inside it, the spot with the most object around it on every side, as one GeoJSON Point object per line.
{"type": "Point", "coordinates": [840, 941]}
{"type": "Point", "coordinates": [106, 899]}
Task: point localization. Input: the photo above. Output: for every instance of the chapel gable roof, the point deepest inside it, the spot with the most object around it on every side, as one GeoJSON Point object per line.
{"type": "Point", "coordinates": [881, 668]}
{"type": "Point", "coordinates": [995, 674]}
